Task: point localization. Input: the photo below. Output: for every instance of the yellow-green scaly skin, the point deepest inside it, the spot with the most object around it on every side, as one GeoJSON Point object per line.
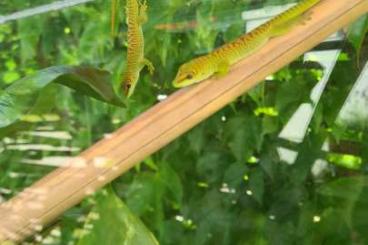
{"type": "Point", "coordinates": [136, 17]}
{"type": "Point", "coordinates": [219, 61]}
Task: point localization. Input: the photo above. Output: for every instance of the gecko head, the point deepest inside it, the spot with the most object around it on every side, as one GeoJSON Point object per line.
{"type": "Point", "coordinates": [128, 87]}
{"type": "Point", "coordinates": [190, 73]}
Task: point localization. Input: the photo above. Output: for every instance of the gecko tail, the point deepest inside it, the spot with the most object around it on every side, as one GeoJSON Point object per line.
{"type": "Point", "coordinates": [114, 6]}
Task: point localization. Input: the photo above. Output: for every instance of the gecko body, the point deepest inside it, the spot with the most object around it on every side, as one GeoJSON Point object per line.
{"type": "Point", "coordinates": [136, 16]}
{"type": "Point", "coordinates": [218, 62]}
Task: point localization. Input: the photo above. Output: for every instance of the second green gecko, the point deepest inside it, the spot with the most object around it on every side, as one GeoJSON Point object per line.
{"type": "Point", "coordinates": [136, 13]}
{"type": "Point", "coordinates": [219, 61]}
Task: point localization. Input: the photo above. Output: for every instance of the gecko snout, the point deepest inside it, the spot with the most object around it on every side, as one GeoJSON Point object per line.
{"type": "Point", "coordinates": [126, 87]}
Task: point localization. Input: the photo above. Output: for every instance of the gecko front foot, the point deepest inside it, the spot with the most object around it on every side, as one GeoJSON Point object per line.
{"type": "Point", "coordinates": [306, 17]}
{"type": "Point", "coordinates": [223, 68]}
{"type": "Point", "coordinates": [150, 67]}
{"type": "Point", "coordinates": [143, 12]}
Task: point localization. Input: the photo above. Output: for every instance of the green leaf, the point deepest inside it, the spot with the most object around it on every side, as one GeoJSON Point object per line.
{"type": "Point", "coordinates": [346, 192]}
{"type": "Point", "coordinates": [345, 160]}
{"type": "Point", "coordinates": [346, 188]}
{"type": "Point", "coordinates": [293, 91]}
{"type": "Point", "coordinates": [256, 184]}
{"type": "Point", "coordinates": [20, 97]}
{"type": "Point", "coordinates": [10, 76]}
{"type": "Point", "coordinates": [111, 222]}
{"type": "Point", "coordinates": [360, 214]}
{"type": "Point", "coordinates": [356, 33]}
{"type": "Point", "coordinates": [144, 196]}
{"type": "Point", "coordinates": [243, 136]}
{"type": "Point", "coordinates": [197, 138]}
{"type": "Point", "coordinates": [172, 182]}
{"type": "Point", "coordinates": [30, 31]}
{"type": "Point", "coordinates": [210, 165]}
{"type": "Point", "coordinates": [234, 174]}
{"type": "Point", "coordinates": [90, 81]}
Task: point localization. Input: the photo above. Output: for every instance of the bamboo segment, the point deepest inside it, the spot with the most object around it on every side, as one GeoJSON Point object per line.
{"type": "Point", "coordinates": [39, 204]}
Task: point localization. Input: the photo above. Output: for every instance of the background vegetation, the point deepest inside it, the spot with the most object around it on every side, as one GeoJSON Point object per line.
{"type": "Point", "coordinates": [224, 182]}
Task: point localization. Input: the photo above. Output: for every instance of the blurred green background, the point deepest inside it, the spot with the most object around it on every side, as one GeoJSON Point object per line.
{"type": "Point", "coordinates": [285, 164]}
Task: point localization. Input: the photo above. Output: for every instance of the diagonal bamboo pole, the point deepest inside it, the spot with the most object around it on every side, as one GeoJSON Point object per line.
{"type": "Point", "coordinates": [39, 204]}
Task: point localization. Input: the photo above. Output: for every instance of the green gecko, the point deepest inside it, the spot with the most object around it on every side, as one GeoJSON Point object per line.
{"type": "Point", "coordinates": [218, 62]}
{"type": "Point", "coordinates": [136, 13]}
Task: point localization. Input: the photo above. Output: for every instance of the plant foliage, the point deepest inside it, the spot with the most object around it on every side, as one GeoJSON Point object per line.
{"type": "Point", "coordinates": [233, 179]}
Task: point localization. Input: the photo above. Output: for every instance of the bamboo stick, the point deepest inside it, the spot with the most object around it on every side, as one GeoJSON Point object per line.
{"type": "Point", "coordinates": [39, 204]}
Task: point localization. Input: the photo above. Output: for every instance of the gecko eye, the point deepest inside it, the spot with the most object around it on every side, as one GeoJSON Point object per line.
{"type": "Point", "coordinates": [189, 76]}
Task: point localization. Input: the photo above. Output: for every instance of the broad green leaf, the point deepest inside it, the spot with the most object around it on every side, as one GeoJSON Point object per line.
{"type": "Point", "coordinates": [39, 112]}
{"type": "Point", "coordinates": [111, 222]}
{"type": "Point", "coordinates": [20, 97]}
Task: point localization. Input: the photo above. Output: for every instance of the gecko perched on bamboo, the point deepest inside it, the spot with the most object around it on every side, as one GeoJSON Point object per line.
{"type": "Point", "coordinates": [136, 13]}
{"type": "Point", "coordinates": [218, 62]}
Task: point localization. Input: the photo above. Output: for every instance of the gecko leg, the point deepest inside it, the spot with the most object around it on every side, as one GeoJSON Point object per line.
{"type": "Point", "coordinates": [222, 69]}
{"type": "Point", "coordinates": [142, 16]}
{"type": "Point", "coordinates": [285, 27]}
{"type": "Point", "coordinates": [149, 65]}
